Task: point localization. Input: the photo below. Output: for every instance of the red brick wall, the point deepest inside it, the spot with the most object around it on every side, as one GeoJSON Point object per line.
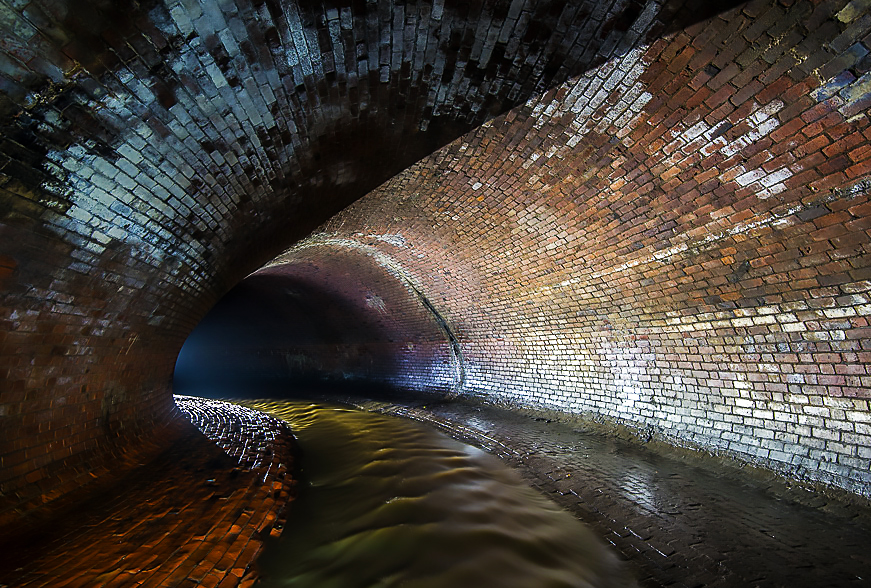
{"type": "Point", "coordinates": [85, 366]}
{"type": "Point", "coordinates": [676, 240]}
{"type": "Point", "coordinates": [153, 153]}
{"type": "Point", "coordinates": [654, 239]}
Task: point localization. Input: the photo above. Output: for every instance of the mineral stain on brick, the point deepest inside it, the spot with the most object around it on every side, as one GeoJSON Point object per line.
{"type": "Point", "coordinates": [651, 213]}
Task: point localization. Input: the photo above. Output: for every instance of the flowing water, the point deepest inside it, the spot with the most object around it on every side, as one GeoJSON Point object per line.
{"type": "Point", "coordinates": [390, 502]}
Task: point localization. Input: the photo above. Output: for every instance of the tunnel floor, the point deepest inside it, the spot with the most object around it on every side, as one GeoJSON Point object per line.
{"type": "Point", "coordinates": [679, 519]}
{"type": "Point", "coordinates": [199, 515]}
{"type": "Point", "coordinates": [195, 516]}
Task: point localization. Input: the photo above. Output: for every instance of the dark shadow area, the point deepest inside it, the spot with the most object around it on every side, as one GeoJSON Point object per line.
{"type": "Point", "coordinates": [272, 334]}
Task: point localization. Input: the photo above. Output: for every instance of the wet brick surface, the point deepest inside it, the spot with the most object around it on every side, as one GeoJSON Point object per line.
{"type": "Point", "coordinates": [678, 522]}
{"type": "Point", "coordinates": [196, 516]}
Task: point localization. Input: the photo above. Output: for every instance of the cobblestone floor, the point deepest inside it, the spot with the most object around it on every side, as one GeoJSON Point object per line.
{"type": "Point", "coordinates": [680, 522]}
{"type": "Point", "coordinates": [196, 516]}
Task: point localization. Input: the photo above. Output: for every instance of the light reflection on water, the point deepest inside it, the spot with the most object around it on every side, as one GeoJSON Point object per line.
{"type": "Point", "coordinates": [390, 502]}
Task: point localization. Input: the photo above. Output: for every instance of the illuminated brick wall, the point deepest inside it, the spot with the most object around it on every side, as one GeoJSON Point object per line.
{"type": "Point", "coordinates": [153, 153]}
{"type": "Point", "coordinates": [669, 230]}
{"type": "Point", "coordinates": [677, 241]}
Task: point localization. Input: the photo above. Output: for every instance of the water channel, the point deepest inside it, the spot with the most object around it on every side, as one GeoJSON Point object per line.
{"type": "Point", "coordinates": [388, 502]}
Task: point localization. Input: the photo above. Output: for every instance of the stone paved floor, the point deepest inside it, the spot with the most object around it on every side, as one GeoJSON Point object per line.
{"type": "Point", "coordinates": [682, 522]}
{"type": "Point", "coordinates": [196, 516]}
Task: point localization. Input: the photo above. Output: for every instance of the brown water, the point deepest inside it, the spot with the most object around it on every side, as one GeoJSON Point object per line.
{"type": "Point", "coordinates": [387, 502]}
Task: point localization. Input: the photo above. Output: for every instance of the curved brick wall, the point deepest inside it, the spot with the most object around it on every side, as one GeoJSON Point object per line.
{"type": "Point", "coordinates": [669, 230]}
{"type": "Point", "coordinates": [676, 241]}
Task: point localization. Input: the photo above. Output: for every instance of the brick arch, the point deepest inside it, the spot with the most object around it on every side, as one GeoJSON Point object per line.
{"type": "Point", "coordinates": [689, 258]}
{"type": "Point", "coordinates": [654, 173]}
{"type": "Point", "coordinates": [327, 314]}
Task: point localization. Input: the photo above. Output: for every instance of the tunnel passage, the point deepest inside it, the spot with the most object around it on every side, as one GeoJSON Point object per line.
{"type": "Point", "coordinates": [328, 316]}
{"type": "Point", "coordinates": [657, 214]}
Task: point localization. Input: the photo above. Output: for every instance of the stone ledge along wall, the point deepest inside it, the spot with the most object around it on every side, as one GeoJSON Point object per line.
{"type": "Point", "coordinates": [676, 240]}
{"type": "Point", "coordinates": [668, 230]}
{"type": "Point", "coordinates": [153, 153]}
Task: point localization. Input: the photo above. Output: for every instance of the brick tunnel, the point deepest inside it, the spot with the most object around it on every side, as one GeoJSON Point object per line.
{"type": "Point", "coordinates": [652, 213]}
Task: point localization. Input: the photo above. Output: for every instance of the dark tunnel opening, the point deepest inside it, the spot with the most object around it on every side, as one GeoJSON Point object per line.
{"type": "Point", "coordinates": [341, 323]}
{"type": "Point", "coordinates": [273, 336]}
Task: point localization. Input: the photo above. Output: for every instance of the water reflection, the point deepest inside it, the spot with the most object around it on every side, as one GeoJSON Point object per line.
{"type": "Point", "coordinates": [389, 502]}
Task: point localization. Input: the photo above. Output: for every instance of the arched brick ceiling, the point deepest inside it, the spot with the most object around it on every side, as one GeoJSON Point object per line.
{"type": "Point", "coordinates": [153, 153]}
{"type": "Point", "coordinates": [199, 121]}
{"type": "Point", "coordinates": [676, 240]}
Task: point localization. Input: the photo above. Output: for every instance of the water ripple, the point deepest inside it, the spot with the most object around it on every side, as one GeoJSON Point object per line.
{"type": "Point", "coordinates": [388, 502]}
